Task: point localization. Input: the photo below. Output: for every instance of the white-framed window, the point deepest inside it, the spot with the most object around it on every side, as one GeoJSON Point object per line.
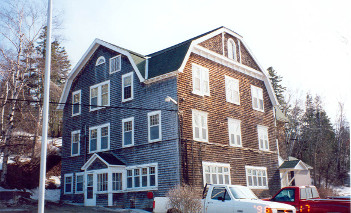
{"type": "Point", "coordinates": [116, 181]}
{"type": "Point", "coordinates": [68, 183]}
{"type": "Point", "coordinates": [262, 132]}
{"type": "Point", "coordinates": [201, 83]}
{"type": "Point", "coordinates": [216, 173]}
{"type": "Point", "coordinates": [99, 138]}
{"type": "Point", "coordinates": [232, 49]}
{"type": "Point", "coordinates": [115, 64]}
{"type": "Point", "coordinates": [257, 98]}
{"type": "Point", "coordinates": [102, 182]}
{"type": "Point", "coordinates": [79, 182]}
{"type": "Point", "coordinates": [75, 143]}
{"type": "Point", "coordinates": [154, 126]}
{"type": "Point", "coordinates": [256, 177]}
{"type": "Point", "coordinates": [234, 130]}
{"type": "Point", "coordinates": [100, 60]}
{"type": "Point", "coordinates": [200, 128]}
{"type": "Point", "coordinates": [232, 90]}
{"type": "Point", "coordinates": [142, 176]}
{"type": "Point", "coordinates": [76, 103]}
{"type": "Point", "coordinates": [128, 132]}
{"type": "Point", "coordinates": [127, 87]}
{"type": "Point", "coordinates": [100, 95]}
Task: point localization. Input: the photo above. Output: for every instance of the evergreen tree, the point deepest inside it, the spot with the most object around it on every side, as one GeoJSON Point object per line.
{"type": "Point", "coordinates": [277, 87]}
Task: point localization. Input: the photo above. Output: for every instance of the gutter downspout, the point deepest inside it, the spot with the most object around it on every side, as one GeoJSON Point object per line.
{"type": "Point", "coordinates": [147, 67]}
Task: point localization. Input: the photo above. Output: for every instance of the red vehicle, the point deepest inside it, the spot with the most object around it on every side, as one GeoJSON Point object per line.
{"type": "Point", "coordinates": [306, 199]}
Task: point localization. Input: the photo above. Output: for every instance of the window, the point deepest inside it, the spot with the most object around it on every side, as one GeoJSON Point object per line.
{"type": "Point", "coordinates": [232, 49]}
{"type": "Point", "coordinates": [286, 195]}
{"type": "Point", "coordinates": [102, 182]}
{"type": "Point", "coordinates": [99, 138]}
{"type": "Point", "coordinates": [263, 137]}
{"type": "Point", "coordinates": [127, 87]}
{"type": "Point", "coordinates": [257, 98]}
{"type": "Point", "coordinates": [220, 193]}
{"type": "Point", "coordinates": [116, 181]}
{"type": "Point", "coordinates": [76, 103]}
{"type": "Point", "coordinates": [128, 132]}
{"type": "Point", "coordinates": [256, 177]}
{"type": "Point", "coordinates": [68, 183]}
{"type": "Point", "coordinates": [234, 130]}
{"type": "Point", "coordinates": [200, 130]}
{"type": "Point", "coordinates": [154, 126]}
{"type": "Point", "coordinates": [216, 173]}
{"type": "Point", "coordinates": [75, 146]}
{"type": "Point", "coordinates": [115, 64]}
{"type": "Point", "coordinates": [99, 95]}
{"type": "Point", "coordinates": [232, 90]}
{"type": "Point", "coordinates": [100, 60]}
{"type": "Point", "coordinates": [201, 84]}
{"type": "Point", "coordinates": [79, 182]}
{"type": "Point", "coordinates": [143, 176]}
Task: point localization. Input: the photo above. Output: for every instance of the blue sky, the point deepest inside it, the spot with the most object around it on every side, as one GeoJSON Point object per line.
{"type": "Point", "coordinates": [307, 42]}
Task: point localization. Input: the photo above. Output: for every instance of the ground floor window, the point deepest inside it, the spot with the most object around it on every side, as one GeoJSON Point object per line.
{"type": "Point", "coordinates": [79, 182]}
{"type": "Point", "coordinates": [256, 177]}
{"type": "Point", "coordinates": [143, 176]}
{"type": "Point", "coordinates": [216, 173]}
{"type": "Point", "coordinates": [102, 182]}
{"type": "Point", "coordinates": [68, 183]}
{"type": "Point", "coordinates": [116, 181]}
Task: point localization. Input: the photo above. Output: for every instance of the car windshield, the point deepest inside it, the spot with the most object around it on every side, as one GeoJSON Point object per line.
{"type": "Point", "coordinates": [242, 193]}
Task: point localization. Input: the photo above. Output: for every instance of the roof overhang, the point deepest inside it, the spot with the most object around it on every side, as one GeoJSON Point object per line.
{"type": "Point", "coordinates": [298, 167]}
{"type": "Point", "coordinates": [93, 158]}
{"type": "Point", "coordinates": [85, 58]}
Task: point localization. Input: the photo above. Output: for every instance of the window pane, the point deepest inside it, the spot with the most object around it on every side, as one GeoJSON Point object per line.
{"type": "Point", "coordinates": [226, 179]}
{"type": "Point", "coordinates": [220, 179]}
{"type": "Point", "coordinates": [93, 143]}
{"type": "Point", "coordinates": [104, 142]}
{"type": "Point", "coordinates": [129, 182]}
{"type": "Point", "coordinates": [238, 140]}
{"type": "Point", "coordinates": [144, 181]}
{"type": "Point", "coordinates": [214, 178]}
{"type": "Point", "coordinates": [154, 132]}
{"type": "Point", "coordinates": [127, 91]}
{"type": "Point", "coordinates": [137, 181]}
{"type": "Point", "coordinates": [204, 134]}
{"type": "Point", "coordinates": [76, 109]}
{"type": "Point", "coordinates": [208, 178]}
{"type": "Point", "coordinates": [127, 138]}
{"type": "Point", "coordinates": [250, 180]}
{"type": "Point", "coordinates": [197, 132]}
{"type": "Point", "coordinates": [94, 103]}
{"type": "Point", "coordinates": [74, 148]}
{"type": "Point", "coordinates": [152, 180]}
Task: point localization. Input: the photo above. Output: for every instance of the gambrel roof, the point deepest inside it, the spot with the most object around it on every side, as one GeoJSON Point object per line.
{"type": "Point", "coordinates": [168, 62]}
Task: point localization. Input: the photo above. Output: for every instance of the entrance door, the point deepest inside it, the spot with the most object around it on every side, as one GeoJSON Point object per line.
{"type": "Point", "coordinates": [90, 192]}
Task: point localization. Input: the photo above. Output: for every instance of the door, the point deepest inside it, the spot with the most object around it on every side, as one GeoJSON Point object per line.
{"type": "Point", "coordinates": [220, 201]}
{"type": "Point", "coordinates": [90, 192]}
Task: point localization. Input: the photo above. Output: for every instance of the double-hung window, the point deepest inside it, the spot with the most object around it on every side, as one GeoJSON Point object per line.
{"type": "Point", "coordinates": [201, 83]}
{"type": "Point", "coordinates": [200, 129]}
{"type": "Point", "coordinates": [102, 182]}
{"type": "Point", "coordinates": [262, 132]}
{"type": "Point", "coordinates": [154, 126]}
{"type": "Point", "coordinates": [76, 103]}
{"type": "Point", "coordinates": [143, 176]}
{"type": "Point", "coordinates": [216, 173]}
{"type": "Point", "coordinates": [115, 64]}
{"type": "Point", "coordinates": [99, 138]}
{"type": "Point", "coordinates": [257, 98]}
{"type": "Point", "coordinates": [68, 183]}
{"type": "Point", "coordinates": [79, 182]}
{"type": "Point", "coordinates": [116, 181]}
{"type": "Point", "coordinates": [127, 87]}
{"type": "Point", "coordinates": [128, 132]}
{"type": "Point", "coordinates": [75, 145]}
{"type": "Point", "coordinates": [232, 90]}
{"type": "Point", "coordinates": [234, 130]}
{"type": "Point", "coordinates": [256, 177]}
{"type": "Point", "coordinates": [99, 95]}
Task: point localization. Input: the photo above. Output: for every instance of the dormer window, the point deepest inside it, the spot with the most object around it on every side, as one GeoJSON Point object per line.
{"type": "Point", "coordinates": [232, 49]}
{"type": "Point", "coordinates": [100, 60]}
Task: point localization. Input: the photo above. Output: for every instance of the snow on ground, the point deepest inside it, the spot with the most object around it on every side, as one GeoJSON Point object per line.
{"type": "Point", "coordinates": [343, 190]}
{"type": "Point", "coordinates": [50, 194]}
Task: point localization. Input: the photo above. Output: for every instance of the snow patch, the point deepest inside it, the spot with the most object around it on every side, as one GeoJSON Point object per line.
{"type": "Point", "coordinates": [52, 195]}
{"type": "Point", "coordinates": [343, 190]}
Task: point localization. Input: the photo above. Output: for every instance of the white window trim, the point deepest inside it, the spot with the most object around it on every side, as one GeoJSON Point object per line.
{"type": "Point", "coordinates": [199, 113]}
{"type": "Point", "coordinates": [64, 190]}
{"type": "Point", "coordinates": [73, 133]}
{"type": "Point", "coordinates": [98, 143]}
{"type": "Point", "coordinates": [227, 80]}
{"type": "Point", "coordinates": [232, 55]}
{"type": "Point", "coordinates": [140, 188]}
{"type": "Point", "coordinates": [120, 63]}
{"type": "Point", "coordinates": [148, 125]}
{"type": "Point", "coordinates": [79, 174]}
{"type": "Point", "coordinates": [256, 168]}
{"type": "Point", "coordinates": [204, 73]}
{"type": "Point", "coordinates": [99, 97]}
{"type": "Point", "coordinates": [238, 122]}
{"type": "Point", "coordinates": [97, 61]}
{"type": "Point", "coordinates": [109, 182]}
{"type": "Point", "coordinates": [254, 90]}
{"type": "Point", "coordinates": [205, 163]}
{"type": "Point", "coordinates": [80, 102]}
{"type": "Point", "coordinates": [132, 86]}
{"type": "Point", "coordinates": [260, 129]}
{"type": "Point", "coordinates": [123, 121]}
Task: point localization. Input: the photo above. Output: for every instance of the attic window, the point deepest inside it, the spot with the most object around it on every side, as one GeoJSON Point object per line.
{"type": "Point", "coordinates": [100, 60]}
{"type": "Point", "coordinates": [232, 49]}
{"type": "Point", "coordinates": [115, 64]}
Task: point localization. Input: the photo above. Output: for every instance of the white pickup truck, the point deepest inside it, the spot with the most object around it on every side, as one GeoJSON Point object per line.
{"type": "Point", "coordinates": [230, 199]}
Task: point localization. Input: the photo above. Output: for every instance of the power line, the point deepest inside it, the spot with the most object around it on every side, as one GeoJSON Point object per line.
{"type": "Point", "coordinates": [90, 105]}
